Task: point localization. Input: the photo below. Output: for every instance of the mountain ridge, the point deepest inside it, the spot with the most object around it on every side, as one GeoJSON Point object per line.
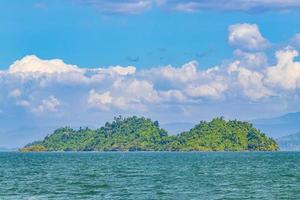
{"type": "Point", "coordinates": [280, 126]}
{"type": "Point", "coordinates": [290, 142]}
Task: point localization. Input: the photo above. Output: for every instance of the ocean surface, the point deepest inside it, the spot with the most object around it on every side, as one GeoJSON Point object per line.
{"type": "Point", "coordinates": [150, 175]}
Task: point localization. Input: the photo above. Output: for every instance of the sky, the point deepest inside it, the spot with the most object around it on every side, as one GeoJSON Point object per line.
{"type": "Point", "coordinates": [81, 62]}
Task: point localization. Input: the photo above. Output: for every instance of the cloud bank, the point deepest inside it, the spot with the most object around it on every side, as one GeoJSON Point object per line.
{"type": "Point", "coordinates": [51, 86]}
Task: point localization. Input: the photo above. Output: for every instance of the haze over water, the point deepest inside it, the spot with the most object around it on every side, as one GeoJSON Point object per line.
{"type": "Point", "coordinates": [149, 175]}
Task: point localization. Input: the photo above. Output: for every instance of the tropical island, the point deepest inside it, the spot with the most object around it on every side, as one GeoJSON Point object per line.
{"type": "Point", "coordinates": [142, 134]}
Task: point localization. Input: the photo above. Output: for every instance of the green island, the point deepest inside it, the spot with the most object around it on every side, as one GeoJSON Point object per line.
{"type": "Point", "coordinates": [142, 134]}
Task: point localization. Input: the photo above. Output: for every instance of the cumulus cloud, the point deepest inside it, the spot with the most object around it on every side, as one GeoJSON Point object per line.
{"type": "Point", "coordinates": [39, 86]}
{"type": "Point", "coordinates": [99, 100]}
{"type": "Point", "coordinates": [33, 65]}
{"type": "Point", "coordinates": [119, 70]}
{"type": "Point", "coordinates": [172, 96]}
{"type": "Point", "coordinates": [251, 82]}
{"type": "Point", "coordinates": [168, 89]}
{"type": "Point", "coordinates": [213, 90]}
{"type": "Point", "coordinates": [124, 94]}
{"type": "Point", "coordinates": [246, 36]}
{"type": "Point", "coordinates": [252, 60]}
{"type": "Point", "coordinates": [55, 70]}
{"type": "Point", "coordinates": [49, 104]}
{"type": "Point", "coordinates": [134, 93]}
{"type": "Point", "coordinates": [286, 73]}
{"type": "Point", "coordinates": [186, 73]}
{"type": "Point", "coordinates": [138, 90]}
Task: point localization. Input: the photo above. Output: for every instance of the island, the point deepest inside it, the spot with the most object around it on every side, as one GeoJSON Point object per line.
{"type": "Point", "coordinates": [142, 134]}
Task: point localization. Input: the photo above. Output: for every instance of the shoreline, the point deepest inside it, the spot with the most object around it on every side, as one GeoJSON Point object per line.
{"type": "Point", "coordinates": [151, 151]}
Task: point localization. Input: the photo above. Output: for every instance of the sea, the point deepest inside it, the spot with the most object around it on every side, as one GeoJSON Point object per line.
{"type": "Point", "coordinates": [149, 175]}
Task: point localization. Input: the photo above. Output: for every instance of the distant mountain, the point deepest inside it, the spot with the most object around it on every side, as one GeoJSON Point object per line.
{"type": "Point", "coordinates": [2, 149]}
{"type": "Point", "coordinates": [279, 126]}
{"type": "Point", "coordinates": [290, 142]}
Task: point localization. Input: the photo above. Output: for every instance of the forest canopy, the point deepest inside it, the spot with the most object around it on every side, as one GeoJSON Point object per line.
{"type": "Point", "coordinates": [142, 134]}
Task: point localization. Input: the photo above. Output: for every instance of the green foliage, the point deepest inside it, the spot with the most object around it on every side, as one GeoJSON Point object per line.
{"type": "Point", "coordinates": [141, 134]}
{"type": "Point", "coordinates": [35, 148]}
{"type": "Point", "coordinates": [221, 135]}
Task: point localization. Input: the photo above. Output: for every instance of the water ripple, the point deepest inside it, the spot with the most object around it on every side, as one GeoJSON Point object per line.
{"type": "Point", "coordinates": [144, 175]}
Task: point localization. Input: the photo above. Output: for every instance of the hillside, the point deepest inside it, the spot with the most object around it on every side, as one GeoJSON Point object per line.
{"type": "Point", "coordinates": [290, 142]}
{"type": "Point", "coordinates": [141, 134]}
{"type": "Point", "coordinates": [222, 135]}
{"type": "Point", "coordinates": [123, 134]}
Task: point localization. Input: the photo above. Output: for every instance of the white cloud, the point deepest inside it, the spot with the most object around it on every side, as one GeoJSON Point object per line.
{"type": "Point", "coordinates": [251, 60]}
{"type": "Point", "coordinates": [99, 100]}
{"type": "Point", "coordinates": [118, 70]}
{"type": "Point", "coordinates": [34, 65]}
{"type": "Point", "coordinates": [124, 94]}
{"type": "Point", "coordinates": [55, 70]}
{"type": "Point", "coordinates": [188, 72]}
{"type": "Point", "coordinates": [286, 73]}
{"type": "Point", "coordinates": [39, 86]}
{"type": "Point", "coordinates": [134, 92]}
{"type": "Point", "coordinates": [251, 82]}
{"type": "Point", "coordinates": [172, 96]}
{"type": "Point", "coordinates": [141, 91]}
{"type": "Point", "coordinates": [212, 90]}
{"type": "Point", "coordinates": [246, 36]}
{"type": "Point", "coordinates": [121, 103]}
{"type": "Point", "coordinates": [49, 104]}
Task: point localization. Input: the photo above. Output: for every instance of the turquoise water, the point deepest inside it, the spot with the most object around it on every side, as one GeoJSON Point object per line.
{"type": "Point", "coordinates": [150, 175]}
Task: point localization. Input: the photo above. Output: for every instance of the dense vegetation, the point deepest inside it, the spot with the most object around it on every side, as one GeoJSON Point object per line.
{"type": "Point", "coordinates": [221, 135]}
{"type": "Point", "coordinates": [141, 134]}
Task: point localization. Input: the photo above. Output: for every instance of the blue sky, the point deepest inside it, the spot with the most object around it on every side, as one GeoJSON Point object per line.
{"type": "Point", "coordinates": [83, 35]}
{"type": "Point", "coordinates": [81, 62]}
